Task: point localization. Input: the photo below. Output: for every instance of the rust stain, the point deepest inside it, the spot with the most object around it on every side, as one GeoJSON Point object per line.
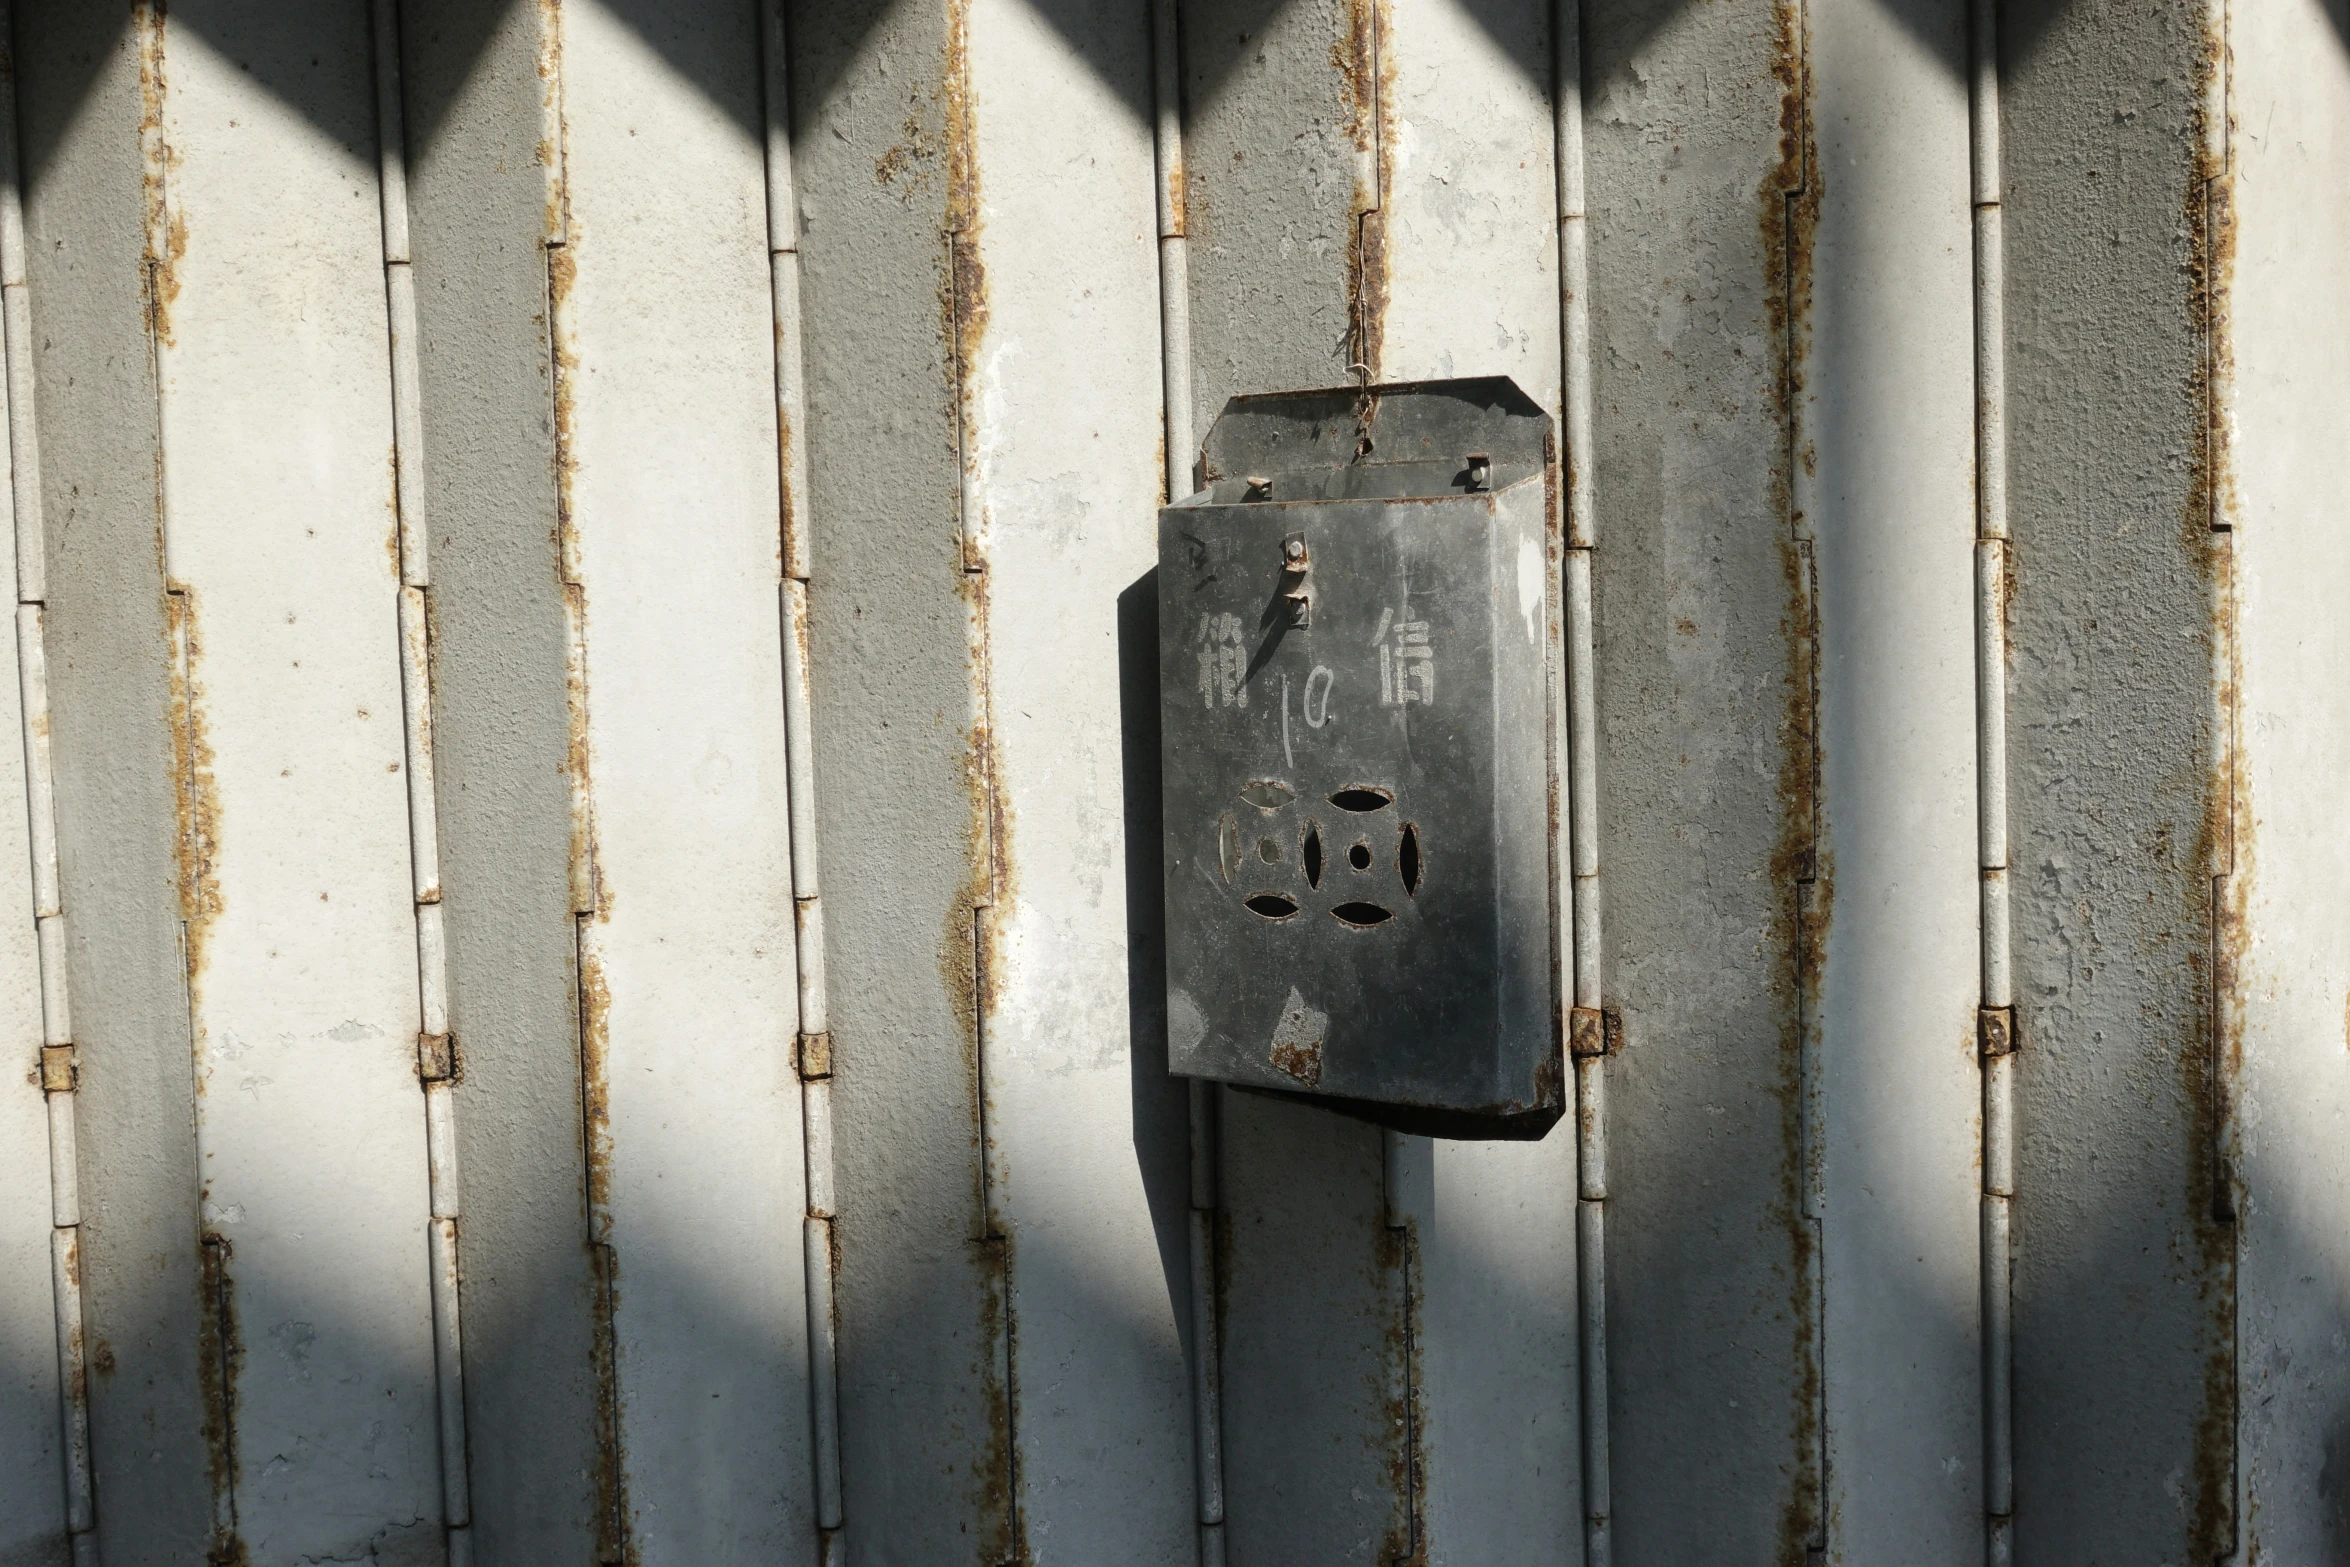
{"type": "Point", "coordinates": [220, 1356]}
{"type": "Point", "coordinates": [196, 794]}
{"type": "Point", "coordinates": [167, 234]}
{"type": "Point", "coordinates": [1301, 1060]}
{"type": "Point", "coordinates": [795, 523]}
{"type": "Point", "coordinates": [614, 1542]}
{"type": "Point", "coordinates": [591, 891]}
{"type": "Point", "coordinates": [1801, 870]}
{"type": "Point", "coordinates": [1179, 200]}
{"type": "Point", "coordinates": [1369, 77]}
{"type": "Point", "coordinates": [2211, 1063]}
{"type": "Point", "coordinates": [970, 945]}
{"type": "Point", "coordinates": [1395, 1255]}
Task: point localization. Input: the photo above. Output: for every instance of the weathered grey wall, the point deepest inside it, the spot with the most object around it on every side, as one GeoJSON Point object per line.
{"type": "Point", "coordinates": [2124, 1281]}
{"type": "Point", "coordinates": [1781, 295]}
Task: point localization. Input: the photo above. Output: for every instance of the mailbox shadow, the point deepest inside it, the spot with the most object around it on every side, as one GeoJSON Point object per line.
{"type": "Point", "coordinates": [1162, 1117]}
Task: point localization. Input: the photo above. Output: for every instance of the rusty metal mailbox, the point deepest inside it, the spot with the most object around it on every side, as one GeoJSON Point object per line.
{"type": "Point", "coordinates": [1357, 675]}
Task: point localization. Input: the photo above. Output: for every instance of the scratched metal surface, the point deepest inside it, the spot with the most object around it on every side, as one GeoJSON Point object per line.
{"type": "Point", "coordinates": [300, 934]}
{"type": "Point", "coordinates": [2288, 1020]}
{"type": "Point", "coordinates": [477, 195]}
{"type": "Point", "coordinates": [2123, 1288]}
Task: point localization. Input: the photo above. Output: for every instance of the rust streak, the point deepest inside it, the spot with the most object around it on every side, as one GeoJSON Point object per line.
{"type": "Point", "coordinates": [220, 1355]}
{"type": "Point", "coordinates": [1369, 78]}
{"type": "Point", "coordinates": [969, 948]}
{"type": "Point", "coordinates": [2211, 1061]}
{"type": "Point", "coordinates": [167, 235]}
{"type": "Point", "coordinates": [1801, 871]}
{"type": "Point", "coordinates": [196, 794]}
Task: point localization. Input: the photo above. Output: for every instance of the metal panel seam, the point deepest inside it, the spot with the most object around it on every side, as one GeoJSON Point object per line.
{"type": "Point", "coordinates": [1181, 456]}
{"type": "Point", "coordinates": [591, 996]}
{"type": "Point", "coordinates": [1996, 1031]}
{"type": "Point", "coordinates": [1579, 865]}
{"type": "Point", "coordinates": [814, 1054]}
{"type": "Point", "coordinates": [2216, 263]}
{"type": "Point", "coordinates": [59, 1074]}
{"type": "Point", "coordinates": [1810, 898]}
{"type": "Point", "coordinates": [967, 309]}
{"type": "Point", "coordinates": [437, 1056]}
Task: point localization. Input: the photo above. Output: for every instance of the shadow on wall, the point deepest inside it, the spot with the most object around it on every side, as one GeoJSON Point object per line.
{"type": "Point", "coordinates": [1082, 23]}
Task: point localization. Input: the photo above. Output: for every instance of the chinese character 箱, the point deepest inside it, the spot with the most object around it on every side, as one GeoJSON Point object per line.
{"type": "Point", "coordinates": [1223, 662]}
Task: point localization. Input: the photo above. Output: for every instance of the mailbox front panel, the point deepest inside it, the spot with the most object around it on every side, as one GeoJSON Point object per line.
{"type": "Point", "coordinates": [1356, 773]}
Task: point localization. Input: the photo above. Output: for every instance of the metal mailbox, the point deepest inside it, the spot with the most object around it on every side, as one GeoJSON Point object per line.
{"type": "Point", "coordinates": [1358, 662]}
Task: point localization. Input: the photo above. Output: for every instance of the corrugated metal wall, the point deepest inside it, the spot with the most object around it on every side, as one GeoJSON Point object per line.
{"type": "Point", "coordinates": [501, 490]}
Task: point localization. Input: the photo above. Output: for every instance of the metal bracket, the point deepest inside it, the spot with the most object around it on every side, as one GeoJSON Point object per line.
{"type": "Point", "coordinates": [1587, 1033]}
{"type": "Point", "coordinates": [436, 1057]}
{"type": "Point", "coordinates": [1995, 1028]}
{"type": "Point", "coordinates": [815, 1056]}
{"type": "Point", "coordinates": [59, 1075]}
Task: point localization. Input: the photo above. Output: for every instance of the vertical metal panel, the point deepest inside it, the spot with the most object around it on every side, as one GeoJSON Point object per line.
{"type": "Point", "coordinates": [1469, 211]}
{"type": "Point", "coordinates": [1372, 193]}
{"type": "Point", "coordinates": [1498, 1358]}
{"type": "Point", "coordinates": [1887, 417]}
{"type": "Point", "coordinates": [279, 543]}
{"type": "Point", "coordinates": [2122, 1284]}
{"type": "Point", "coordinates": [477, 113]}
{"type": "Point", "coordinates": [32, 1430]}
{"type": "Point", "coordinates": [1470, 201]}
{"type": "Point", "coordinates": [666, 391]}
{"type": "Point", "coordinates": [1063, 430]}
{"type": "Point", "coordinates": [1313, 1424]}
{"type": "Point", "coordinates": [78, 77]}
{"type": "Point", "coordinates": [883, 166]}
{"type": "Point", "coordinates": [1705, 790]}
{"type": "Point", "coordinates": [2286, 318]}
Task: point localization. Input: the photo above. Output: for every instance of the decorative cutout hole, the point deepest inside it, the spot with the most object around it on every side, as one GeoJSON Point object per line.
{"type": "Point", "coordinates": [1362, 798]}
{"type": "Point", "coordinates": [1311, 853]}
{"type": "Point", "coordinates": [1267, 795]}
{"type": "Point", "coordinates": [1360, 915]}
{"type": "Point", "coordinates": [1268, 851]}
{"type": "Point", "coordinates": [1407, 860]}
{"type": "Point", "coordinates": [1359, 856]}
{"type": "Point", "coordinates": [1273, 906]}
